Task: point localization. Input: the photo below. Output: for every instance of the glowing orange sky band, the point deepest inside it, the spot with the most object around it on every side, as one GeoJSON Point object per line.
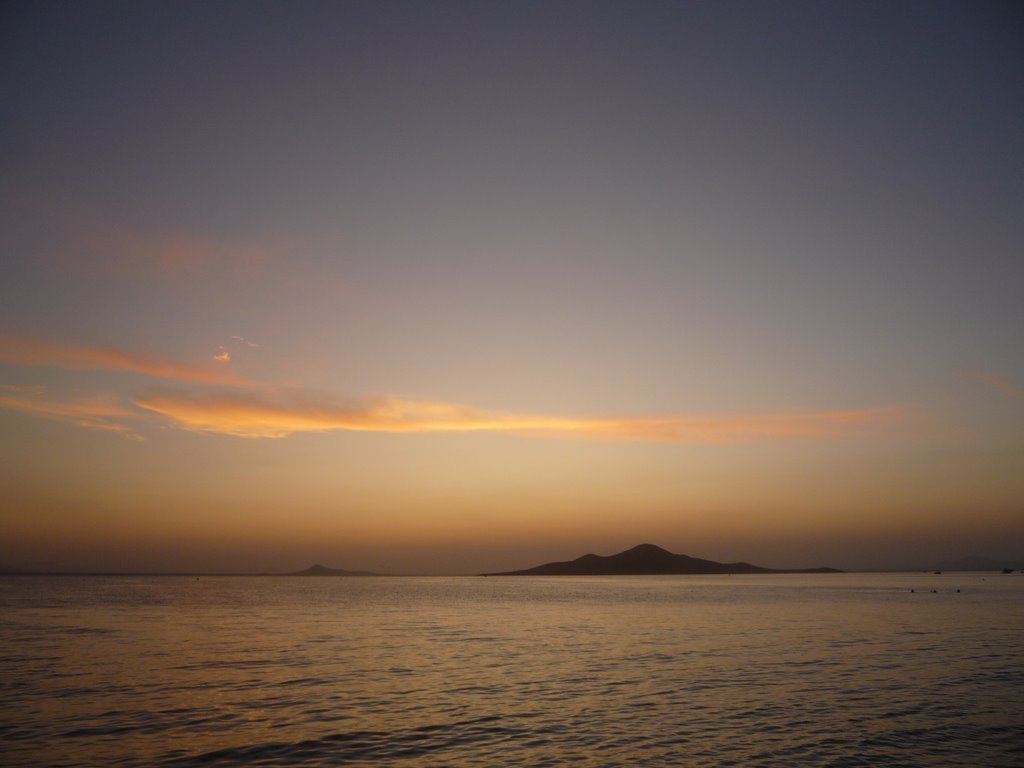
{"type": "Point", "coordinates": [250, 416]}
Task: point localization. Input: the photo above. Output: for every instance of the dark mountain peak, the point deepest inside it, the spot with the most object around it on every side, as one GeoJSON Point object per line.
{"type": "Point", "coordinates": [647, 550]}
{"type": "Point", "coordinates": [645, 559]}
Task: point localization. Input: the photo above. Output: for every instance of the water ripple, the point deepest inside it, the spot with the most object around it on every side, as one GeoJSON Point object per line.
{"type": "Point", "coordinates": [776, 672]}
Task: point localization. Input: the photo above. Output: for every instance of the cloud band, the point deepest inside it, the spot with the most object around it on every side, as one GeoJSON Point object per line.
{"type": "Point", "coordinates": [250, 415]}
{"type": "Point", "coordinates": [34, 352]}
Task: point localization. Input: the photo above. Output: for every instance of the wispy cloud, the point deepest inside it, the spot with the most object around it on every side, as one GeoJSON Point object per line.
{"type": "Point", "coordinates": [180, 253]}
{"type": "Point", "coordinates": [96, 412]}
{"type": "Point", "coordinates": [252, 415]}
{"type": "Point", "coordinates": [22, 351]}
{"type": "Point", "coordinates": [224, 355]}
{"type": "Point", "coordinates": [997, 382]}
{"type": "Point", "coordinates": [240, 408]}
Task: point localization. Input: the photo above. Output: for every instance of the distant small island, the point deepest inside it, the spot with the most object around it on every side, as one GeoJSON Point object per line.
{"type": "Point", "coordinates": [648, 559]}
{"type": "Point", "coordinates": [979, 563]}
{"type": "Point", "coordinates": [323, 570]}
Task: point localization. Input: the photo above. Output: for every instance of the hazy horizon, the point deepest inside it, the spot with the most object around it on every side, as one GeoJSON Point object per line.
{"type": "Point", "coordinates": [488, 560]}
{"type": "Point", "coordinates": [457, 287]}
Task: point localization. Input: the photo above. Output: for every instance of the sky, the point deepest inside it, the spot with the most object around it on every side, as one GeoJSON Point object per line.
{"type": "Point", "coordinates": [449, 287]}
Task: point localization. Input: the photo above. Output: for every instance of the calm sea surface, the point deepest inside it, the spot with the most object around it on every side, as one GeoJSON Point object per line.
{"type": "Point", "coordinates": [824, 670]}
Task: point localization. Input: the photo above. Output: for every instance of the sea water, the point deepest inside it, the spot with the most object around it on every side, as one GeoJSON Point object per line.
{"type": "Point", "coordinates": [770, 670]}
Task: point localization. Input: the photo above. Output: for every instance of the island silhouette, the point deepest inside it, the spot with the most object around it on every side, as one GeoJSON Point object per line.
{"type": "Point", "coordinates": [979, 563]}
{"type": "Point", "coordinates": [647, 559]}
{"type": "Point", "coordinates": [323, 570]}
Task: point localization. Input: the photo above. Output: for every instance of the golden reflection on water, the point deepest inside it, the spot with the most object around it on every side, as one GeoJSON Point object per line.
{"type": "Point", "coordinates": [768, 670]}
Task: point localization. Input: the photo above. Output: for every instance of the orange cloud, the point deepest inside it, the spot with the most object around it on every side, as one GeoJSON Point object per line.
{"type": "Point", "coordinates": [97, 412]}
{"type": "Point", "coordinates": [33, 352]}
{"type": "Point", "coordinates": [178, 253]}
{"type": "Point", "coordinates": [730, 428]}
{"type": "Point", "coordinates": [995, 381]}
{"type": "Point", "coordinates": [250, 415]}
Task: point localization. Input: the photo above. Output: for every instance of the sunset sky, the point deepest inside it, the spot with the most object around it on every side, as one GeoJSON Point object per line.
{"type": "Point", "coordinates": [448, 287]}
